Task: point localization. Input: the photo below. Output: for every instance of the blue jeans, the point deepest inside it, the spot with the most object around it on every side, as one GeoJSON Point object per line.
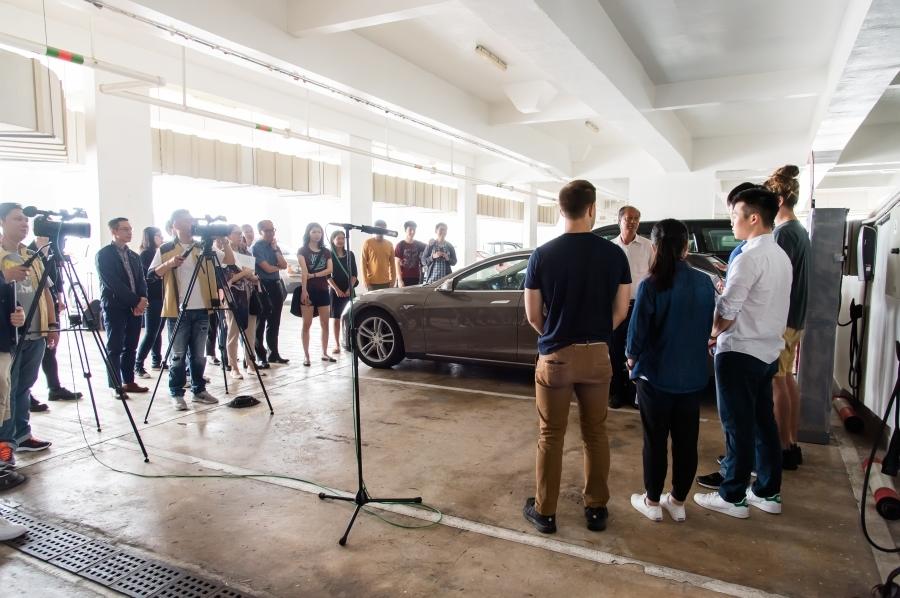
{"type": "Point", "coordinates": [151, 344]}
{"type": "Point", "coordinates": [123, 331]}
{"type": "Point", "coordinates": [189, 342]}
{"type": "Point", "coordinates": [22, 376]}
{"type": "Point", "coordinates": [744, 385]}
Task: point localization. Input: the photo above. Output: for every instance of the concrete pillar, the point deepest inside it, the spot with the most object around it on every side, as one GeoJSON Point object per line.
{"type": "Point", "coordinates": [682, 195]}
{"type": "Point", "coordinates": [529, 226]}
{"type": "Point", "coordinates": [117, 135]}
{"type": "Point", "coordinates": [467, 207]}
{"type": "Point", "coordinates": [356, 189]}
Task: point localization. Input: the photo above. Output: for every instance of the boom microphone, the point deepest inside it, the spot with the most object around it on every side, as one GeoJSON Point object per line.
{"type": "Point", "coordinates": [369, 230]}
{"type": "Point", "coordinates": [32, 211]}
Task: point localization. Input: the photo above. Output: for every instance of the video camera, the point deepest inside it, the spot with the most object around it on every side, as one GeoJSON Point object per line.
{"type": "Point", "coordinates": [210, 230]}
{"type": "Point", "coordinates": [44, 226]}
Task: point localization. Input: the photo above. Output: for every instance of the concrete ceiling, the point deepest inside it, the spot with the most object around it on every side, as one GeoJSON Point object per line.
{"type": "Point", "coordinates": [672, 85]}
{"type": "Point", "coordinates": [689, 40]}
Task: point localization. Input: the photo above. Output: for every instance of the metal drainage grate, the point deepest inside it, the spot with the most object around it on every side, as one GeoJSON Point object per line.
{"type": "Point", "coordinates": [103, 563]}
{"type": "Point", "coordinates": [83, 557]}
{"type": "Point", "coordinates": [50, 546]}
{"type": "Point", "coordinates": [147, 580]}
{"type": "Point", "coordinates": [189, 586]}
{"type": "Point", "coordinates": [112, 569]}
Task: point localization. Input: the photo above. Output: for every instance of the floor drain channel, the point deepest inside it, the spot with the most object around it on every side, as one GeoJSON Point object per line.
{"type": "Point", "coordinates": [102, 563]}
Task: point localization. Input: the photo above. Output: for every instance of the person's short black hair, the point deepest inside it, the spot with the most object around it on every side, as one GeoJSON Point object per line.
{"type": "Point", "coordinates": [576, 197]}
{"type": "Point", "coordinates": [439, 225]}
{"type": "Point", "coordinates": [729, 201]}
{"type": "Point", "coordinates": [115, 222]}
{"type": "Point", "coordinates": [409, 224]}
{"type": "Point", "coordinates": [7, 207]}
{"type": "Point", "coordinates": [380, 223]}
{"type": "Point", "coordinates": [759, 200]}
{"type": "Point", "coordinates": [259, 225]}
{"type": "Point", "coordinates": [624, 209]}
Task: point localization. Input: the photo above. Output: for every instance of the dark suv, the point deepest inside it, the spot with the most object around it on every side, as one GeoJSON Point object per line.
{"type": "Point", "coordinates": [713, 237]}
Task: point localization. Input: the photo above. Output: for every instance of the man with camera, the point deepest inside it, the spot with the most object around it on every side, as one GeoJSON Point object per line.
{"type": "Point", "coordinates": [269, 264]}
{"type": "Point", "coordinates": [123, 297]}
{"type": "Point", "coordinates": [175, 262]}
{"type": "Point", "coordinates": [42, 332]}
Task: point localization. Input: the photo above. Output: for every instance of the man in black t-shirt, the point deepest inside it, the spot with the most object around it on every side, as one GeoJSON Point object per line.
{"type": "Point", "coordinates": [577, 289]}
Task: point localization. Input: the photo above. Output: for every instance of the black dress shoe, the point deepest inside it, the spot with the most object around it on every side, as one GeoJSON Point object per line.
{"type": "Point", "coordinates": [546, 524]}
{"type": "Point", "coordinates": [63, 394]}
{"type": "Point", "coordinates": [278, 359]}
{"type": "Point", "coordinates": [37, 407]}
{"type": "Point", "coordinates": [616, 402]}
{"type": "Point", "coordinates": [596, 518]}
{"type": "Point", "coordinates": [263, 365]}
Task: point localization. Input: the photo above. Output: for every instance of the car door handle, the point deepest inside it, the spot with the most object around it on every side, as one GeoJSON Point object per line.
{"type": "Point", "coordinates": [500, 302]}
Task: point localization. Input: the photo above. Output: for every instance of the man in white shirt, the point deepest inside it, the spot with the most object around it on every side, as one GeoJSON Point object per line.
{"type": "Point", "coordinates": [174, 263]}
{"type": "Point", "coordinates": [748, 337]}
{"type": "Point", "coordinates": [639, 252]}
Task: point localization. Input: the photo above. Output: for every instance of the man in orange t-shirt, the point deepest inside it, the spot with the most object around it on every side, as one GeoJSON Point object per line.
{"type": "Point", "coordinates": [378, 261]}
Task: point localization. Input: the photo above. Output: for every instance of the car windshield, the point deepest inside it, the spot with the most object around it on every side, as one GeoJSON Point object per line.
{"type": "Point", "coordinates": [498, 276]}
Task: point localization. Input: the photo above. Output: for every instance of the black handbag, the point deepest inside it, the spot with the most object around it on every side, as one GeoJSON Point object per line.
{"type": "Point", "coordinates": [295, 302]}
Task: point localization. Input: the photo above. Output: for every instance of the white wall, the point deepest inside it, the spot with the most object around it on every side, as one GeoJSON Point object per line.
{"type": "Point", "coordinates": [883, 321]}
{"type": "Point", "coordinates": [691, 195]}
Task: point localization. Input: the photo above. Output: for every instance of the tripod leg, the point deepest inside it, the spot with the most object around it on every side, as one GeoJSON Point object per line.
{"type": "Point", "coordinates": [165, 360]}
{"type": "Point", "coordinates": [86, 368]}
{"type": "Point", "coordinates": [343, 540]}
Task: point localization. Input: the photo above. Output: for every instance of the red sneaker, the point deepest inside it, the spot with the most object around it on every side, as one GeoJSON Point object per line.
{"type": "Point", "coordinates": [6, 454]}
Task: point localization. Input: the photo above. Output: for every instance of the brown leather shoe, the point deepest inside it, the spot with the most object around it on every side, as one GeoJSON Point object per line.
{"type": "Point", "coordinates": [134, 387]}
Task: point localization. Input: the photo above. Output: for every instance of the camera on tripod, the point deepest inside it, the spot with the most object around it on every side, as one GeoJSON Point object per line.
{"type": "Point", "coordinates": [45, 226]}
{"type": "Point", "coordinates": [210, 230]}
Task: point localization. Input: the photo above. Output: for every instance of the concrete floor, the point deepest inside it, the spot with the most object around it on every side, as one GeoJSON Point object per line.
{"type": "Point", "coordinates": [462, 438]}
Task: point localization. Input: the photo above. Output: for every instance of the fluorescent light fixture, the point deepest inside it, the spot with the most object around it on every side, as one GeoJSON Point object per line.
{"type": "Point", "coordinates": [592, 126]}
{"type": "Point", "coordinates": [496, 60]}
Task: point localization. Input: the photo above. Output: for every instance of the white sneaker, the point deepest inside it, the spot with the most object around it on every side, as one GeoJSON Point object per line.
{"type": "Point", "coordinates": [10, 531]}
{"type": "Point", "coordinates": [143, 374]}
{"type": "Point", "coordinates": [639, 502]}
{"type": "Point", "coordinates": [769, 505]}
{"type": "Point", "coordinates": [179, 404]}
{"type": "Point", "coordinates": [714, 502]}
{"type": "Point", "coordinates": [205, 398]}
{"type": "Point", "coordinates": [676, 512]}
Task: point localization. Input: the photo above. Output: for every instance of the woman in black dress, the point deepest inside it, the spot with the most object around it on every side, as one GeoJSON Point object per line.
{"type": "Point", "coordinates": [341, 285]}
{"type": "Point", "coordinates": [316, 267]}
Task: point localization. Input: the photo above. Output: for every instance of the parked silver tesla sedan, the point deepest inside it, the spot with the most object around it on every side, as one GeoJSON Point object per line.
{"type": "Point", "coordinates": [475, 315]}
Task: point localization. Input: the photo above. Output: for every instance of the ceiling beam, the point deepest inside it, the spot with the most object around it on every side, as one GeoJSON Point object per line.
{"type": "Point", "coordinates": [577, 42]}
{"type": "Point", "coordinates": [760, 87]}
{"type": "Point", "coordinates": [318, 17]}
{"type": "Point", "coordinates": [863, 66]}
{"type": "Point", "coordinates": [561, 108]}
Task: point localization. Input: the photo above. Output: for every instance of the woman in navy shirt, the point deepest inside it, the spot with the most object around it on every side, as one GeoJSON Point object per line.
{"type": "Point", "coordinates": [667, 355]}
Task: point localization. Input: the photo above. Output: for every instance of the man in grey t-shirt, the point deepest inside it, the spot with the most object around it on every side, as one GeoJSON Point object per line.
{"type": "Point", "coordinates": [792, 237]}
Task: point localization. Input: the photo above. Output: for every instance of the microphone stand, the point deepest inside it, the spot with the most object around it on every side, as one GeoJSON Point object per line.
{"type": "Point", "coordinates": [362, 498]}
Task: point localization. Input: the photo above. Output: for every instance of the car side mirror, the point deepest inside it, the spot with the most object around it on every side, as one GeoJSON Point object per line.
{"type": "Point", "coordinates": [446, 286]}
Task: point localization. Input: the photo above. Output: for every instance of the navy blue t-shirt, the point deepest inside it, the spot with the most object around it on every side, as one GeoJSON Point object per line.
{"type": "Point", "coordinates": [578, 275]}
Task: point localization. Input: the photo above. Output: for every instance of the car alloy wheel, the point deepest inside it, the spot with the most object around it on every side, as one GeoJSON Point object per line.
{"type": "Point", "coordinates": [376, 340]}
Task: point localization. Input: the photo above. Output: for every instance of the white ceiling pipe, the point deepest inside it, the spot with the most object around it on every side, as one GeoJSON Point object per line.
{"type": "Point", "coordinates": [129, 95]}
{"type": "Point", "coordinates": [75, 58]}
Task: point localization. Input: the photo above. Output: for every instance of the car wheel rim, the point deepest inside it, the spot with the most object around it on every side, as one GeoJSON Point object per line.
{"type": "Point", "coordinates": [375, 339]}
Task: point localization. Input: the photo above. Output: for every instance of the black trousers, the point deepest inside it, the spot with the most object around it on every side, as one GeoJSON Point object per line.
{"type": "Point", "coordinates": [51, 369]}
{"type": "Point", "coordinates": [269, 323]}
{"type": "Point", "coordinates": [621, 387]}
{"type": "Point", "coordinates": [123, 331]}
{"type": "Point", "coordinates": [666, 414]}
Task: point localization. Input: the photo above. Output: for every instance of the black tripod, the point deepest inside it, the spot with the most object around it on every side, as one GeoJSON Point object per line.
{"type": "Point", "coordinates": [207, 259]}
{"type": "Point", "coordinates": [80, 321]}
{"type": "Point", "coordinates": [362, 497]}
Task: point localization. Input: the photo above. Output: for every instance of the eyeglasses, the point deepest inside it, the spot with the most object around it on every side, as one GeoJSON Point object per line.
{"type": "Point", "coordinates": [267, 230]}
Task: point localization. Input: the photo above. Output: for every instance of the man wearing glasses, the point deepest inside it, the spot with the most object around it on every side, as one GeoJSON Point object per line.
{"type": "Point", "coordinates": [269, 264]}
{"type": "Point", "coordinates": [123, 296]}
